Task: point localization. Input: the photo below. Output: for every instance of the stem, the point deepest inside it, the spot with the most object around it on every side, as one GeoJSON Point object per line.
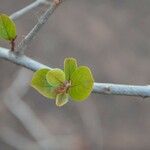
{"type": "Point", "coordinates": [12, 45]}
{"type": "Point", "coordinates": [12, 42]}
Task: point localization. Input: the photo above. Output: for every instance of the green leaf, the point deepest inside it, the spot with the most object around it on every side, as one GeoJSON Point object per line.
{"type": "Point", "coordinates": [70, 65]}
{"type": "Point", "coordinates": [55, 77]}
{"type": "Point", "coordinates": [81, 83]}
{"type": "Point", "coordinates": [40, 83]}
{"type": "Point", "coordinates": [7, 28]}
{"type": "Point", "coordinates": [61, 99]}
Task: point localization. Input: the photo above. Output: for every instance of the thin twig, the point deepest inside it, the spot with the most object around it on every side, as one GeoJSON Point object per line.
{"type": "Point", "coordinates": [101, 88]}
{"type": "Point", "coordinates": [31, 35]}
{"type": "Point", "coordinates": [28, 8]}
{"type": "Point", "coordinates": [23, 11]}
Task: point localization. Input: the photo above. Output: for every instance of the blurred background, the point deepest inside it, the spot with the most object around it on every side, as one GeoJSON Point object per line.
{"type": "Point", "coordinates": [112, 37]}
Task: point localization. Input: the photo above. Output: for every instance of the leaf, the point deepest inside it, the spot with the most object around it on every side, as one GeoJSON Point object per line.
{"type": "Point", "coordinates": [7, 28]}
{"type": "Point", "coordinates": [70, 65]}
{"type": "Point", "coordinates": [40, 83]}
{"type": "Point", "coordinates": [81, 83]}
{"type": "Point", "coordinates": [61, 99]}
{"type": "Point", "coordinates": [55, 77]}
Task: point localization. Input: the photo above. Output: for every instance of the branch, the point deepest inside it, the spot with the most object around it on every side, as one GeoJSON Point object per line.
{"type": "Point", "coordinates": [43, 19]}
{"type": "Point", "coordinates": [101, 88]}
{"type": "Point", "coordinates": [27, 9]}
{"type": "Point", "coordinates": [21, 60]}
{"type": "Point", "coordinates": [122, 89]}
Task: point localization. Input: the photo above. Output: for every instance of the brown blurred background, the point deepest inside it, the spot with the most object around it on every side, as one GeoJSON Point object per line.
{"type": "Point", "coordinates": [112, 37]}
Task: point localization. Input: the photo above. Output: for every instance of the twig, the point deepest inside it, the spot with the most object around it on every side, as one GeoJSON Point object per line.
{"type": "Point", "coordinates": [28, 8]}
{"type": "Point", "coordinates": [43, 19]}
{"type": "Point", "coordinates": [101, 88]}
{"type": "Point", "coordinates": [23, 11]}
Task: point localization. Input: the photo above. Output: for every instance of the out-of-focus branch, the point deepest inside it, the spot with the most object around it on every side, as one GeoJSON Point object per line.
{"type": "Point", "coordinates": [91, 121]}
{"type": "Point", "coordinates": [101, 88]}
{"type": "Point", "coordinates": [31, 35]}
{"type": "Point", "coordinates": [19, 142]}
{"type": "Point", "coordinates": [22, 111]}
{"type": "Point", "coordinates": [28, 8]}
{"type": "Point", "coordinates": [12, 99]}
{"type": "Point", "coordinates": [16, 140]}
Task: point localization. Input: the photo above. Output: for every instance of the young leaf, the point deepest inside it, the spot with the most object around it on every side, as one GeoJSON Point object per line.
{"type": "Point", "coordinates": [40, 83]}
{"type": "Point", "coordinates": [7, 28]}
{"type": "Point", "coordinates": [70, 65]}
{"type": "Point", "coordinates": [55, 77]}
{"type": "Point", "coordinates": [61, 99]}
{"type": "Point", "coordinates": [81, 83]}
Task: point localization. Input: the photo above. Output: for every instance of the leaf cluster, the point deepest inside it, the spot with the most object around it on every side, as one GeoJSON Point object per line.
{"type": "Point", "coordinates": [75, 82]}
